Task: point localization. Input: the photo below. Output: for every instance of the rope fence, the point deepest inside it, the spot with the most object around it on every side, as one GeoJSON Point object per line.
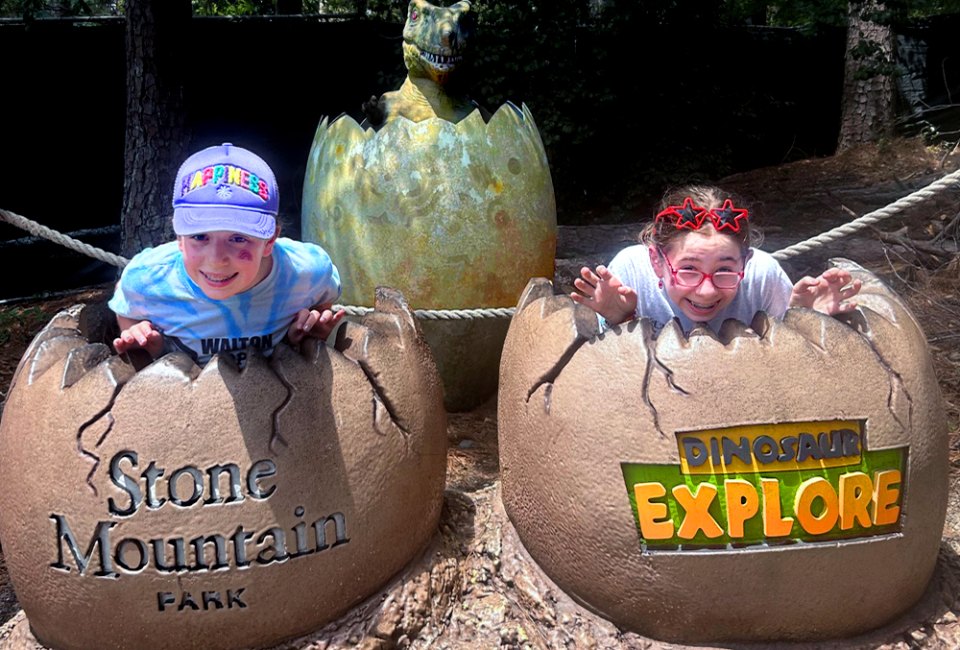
{"type": "Point", "coordinates": [793, 250]}
{"type": "Point", "coordinates": [870, 218]}
{"type": "Point", "coordinates": [76, 245]}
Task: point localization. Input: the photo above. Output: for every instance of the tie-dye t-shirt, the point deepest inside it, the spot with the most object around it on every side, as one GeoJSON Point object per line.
{"type": "Point", "coordinates": [155, 286]}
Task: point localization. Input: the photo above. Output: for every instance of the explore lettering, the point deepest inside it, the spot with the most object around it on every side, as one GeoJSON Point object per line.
{"type": "Point", "coordinates": [189, 487]}
{"type": "Point", "coordinates": [817, 507]}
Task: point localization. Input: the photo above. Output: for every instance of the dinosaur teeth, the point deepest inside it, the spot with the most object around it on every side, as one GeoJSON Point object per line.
{"type": "Point", "coordinates": [439, 59]}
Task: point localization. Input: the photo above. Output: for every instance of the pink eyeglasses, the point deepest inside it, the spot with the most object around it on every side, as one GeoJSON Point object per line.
{"type": "Point", "coordinates": [691, 278]}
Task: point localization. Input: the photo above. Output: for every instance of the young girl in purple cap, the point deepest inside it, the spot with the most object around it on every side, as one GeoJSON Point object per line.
{"type": "Point", "coordinates": [695, 263]}
{"type": "Point", "coordinates": [228, 283]}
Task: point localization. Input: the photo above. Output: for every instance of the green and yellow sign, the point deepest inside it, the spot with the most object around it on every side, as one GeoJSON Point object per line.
{"type": "Point", "coordinates": [771, 483]}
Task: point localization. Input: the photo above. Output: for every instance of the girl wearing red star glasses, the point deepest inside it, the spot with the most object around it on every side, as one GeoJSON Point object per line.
{"type": "Point", "coordinates": [696, 263]}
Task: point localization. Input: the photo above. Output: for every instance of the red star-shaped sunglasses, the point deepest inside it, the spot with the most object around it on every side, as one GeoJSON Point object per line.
{"type": "Point", "coordinates": [690, 215]}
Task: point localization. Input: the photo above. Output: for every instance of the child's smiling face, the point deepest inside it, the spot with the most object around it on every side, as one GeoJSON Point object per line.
{"type": "Point", "coordinates": [224, 264]}
{"type": "Point", "coordinates": [708, 252]}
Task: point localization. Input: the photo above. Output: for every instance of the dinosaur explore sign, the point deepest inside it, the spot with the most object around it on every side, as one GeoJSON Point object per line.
{"type": "Point", "coordinates": [774, 483]}
{"type": "Point", "coordinates": [778, 466]}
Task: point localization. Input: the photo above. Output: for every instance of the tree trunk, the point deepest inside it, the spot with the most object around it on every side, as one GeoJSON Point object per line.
{"type": "Point", "coordinates": [867, 112]}
{"type": "Point", "coordinates": [155, 137]}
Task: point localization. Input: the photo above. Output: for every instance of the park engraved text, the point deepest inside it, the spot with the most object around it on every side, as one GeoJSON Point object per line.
{"type": "Point", "coordinates": [107, 555]}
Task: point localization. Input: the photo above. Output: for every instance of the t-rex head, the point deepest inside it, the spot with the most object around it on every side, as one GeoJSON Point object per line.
{"type": "Point", "coordinates": [435, 39]}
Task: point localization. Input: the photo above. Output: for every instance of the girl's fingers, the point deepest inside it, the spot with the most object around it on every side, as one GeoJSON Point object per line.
{"type": "Point", "coordinates": [836, 275]}
{"type": "Point", "coordinates": [304, 319]}
{"type": "Point", "coordinates": [585, 287]}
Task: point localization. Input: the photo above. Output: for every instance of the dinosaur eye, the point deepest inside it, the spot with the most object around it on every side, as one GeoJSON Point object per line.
{"type": "Point", "coordinates": [414, 14]}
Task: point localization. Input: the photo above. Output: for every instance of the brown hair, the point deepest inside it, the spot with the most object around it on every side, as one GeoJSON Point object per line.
{"type": "Point", "coordinates": [663, 232]}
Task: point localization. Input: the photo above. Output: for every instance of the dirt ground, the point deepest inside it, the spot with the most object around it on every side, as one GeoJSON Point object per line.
{"type": "Point", "coordinates": [915, 251]}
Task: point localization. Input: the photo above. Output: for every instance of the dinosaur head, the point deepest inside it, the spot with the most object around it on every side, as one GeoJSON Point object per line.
{"type": "Point", "coordinates": [435, 39]}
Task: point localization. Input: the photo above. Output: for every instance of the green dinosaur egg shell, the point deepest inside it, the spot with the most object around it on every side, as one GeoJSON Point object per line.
{"type": "Point", "coordinates": [454, 215]}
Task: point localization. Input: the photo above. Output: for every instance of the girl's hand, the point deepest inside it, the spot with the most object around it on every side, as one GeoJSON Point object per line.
{"type": "Point", "coordinates": [604, 293]}
{"type": "Point", "coordinates": [138, 335]}
{"type": "Point", "coordinates": [828, 293]}
{"type": "Point", "coordinates": [316, 323]}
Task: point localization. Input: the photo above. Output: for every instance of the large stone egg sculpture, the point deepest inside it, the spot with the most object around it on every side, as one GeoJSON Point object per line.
{"type": "Point", "coordinates": [457, 215]}
{"type": "Point", "coordinates": [179, 507]}
{"type": "Point", "coordinates": [785, 480]}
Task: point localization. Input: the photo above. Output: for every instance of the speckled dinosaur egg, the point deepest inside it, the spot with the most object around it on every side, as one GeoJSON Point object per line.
{"type": "Point", "coordinates": [782, 481]}
{"type": "Point", "coordinates": [179, 507]}
{"type": "Point", "coordinates": [456, 215]}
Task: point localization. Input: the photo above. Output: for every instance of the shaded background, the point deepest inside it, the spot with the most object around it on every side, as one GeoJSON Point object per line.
{"type": "Point", "coordinates": [623, 113]}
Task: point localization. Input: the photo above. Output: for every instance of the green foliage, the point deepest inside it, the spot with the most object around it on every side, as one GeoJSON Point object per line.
{"type": "Point", "coordinates": [583, 68]}
{"type": "Point", "coordinates": [268, 7]}
{"type": "Point", "coordinates": [814, 15]}
{"type": "Point", "coordinates": [233, 7]}
{"type": "Point", "coordinates": [29, 9]}
{"type": "Point", "coordinates": [19, 324]}
{"type": "Point", "coordinates": [873, 61]}
{"type": "Point", "coordinates": [810, 16]}
{"type": "Point", "coordinates": [926, 8]}
{"type": "Point", "coordinates": [577, 68]}
{"type": "Point", "coordinates": [385, 10]}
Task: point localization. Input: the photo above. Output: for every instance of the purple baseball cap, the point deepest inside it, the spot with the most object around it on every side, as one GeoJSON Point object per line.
{"type": "Point", "coordinates": [225, 188]}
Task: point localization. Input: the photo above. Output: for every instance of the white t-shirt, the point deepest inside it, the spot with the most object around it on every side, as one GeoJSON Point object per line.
{"type": "Point", "coordinates": [765, 287]}
{"type": "Point", "coordinates": [155, 286]}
